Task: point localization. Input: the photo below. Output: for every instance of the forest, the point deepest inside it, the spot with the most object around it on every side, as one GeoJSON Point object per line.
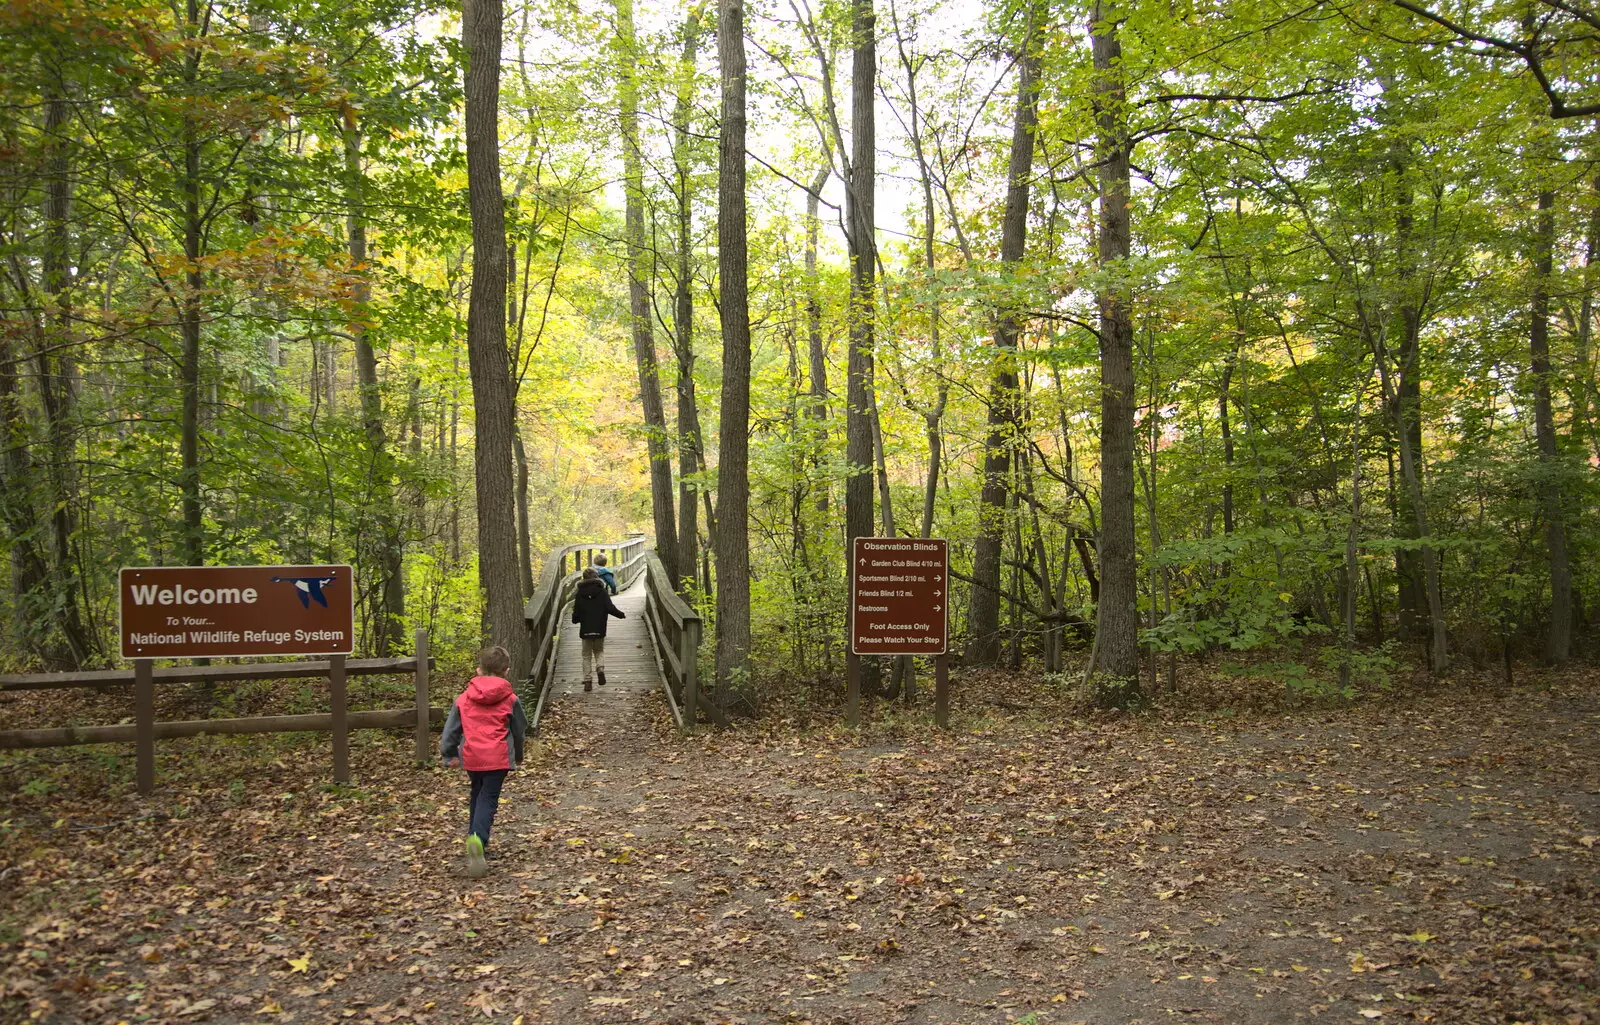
{"type": "Point", "coordinates": [1242, 354]}
{"type": "Point", "coordinates": [1194, 327]}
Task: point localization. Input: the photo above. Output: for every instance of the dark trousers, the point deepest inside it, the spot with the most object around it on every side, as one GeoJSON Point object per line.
{"type": "Point", "coordinates": [485, 800]}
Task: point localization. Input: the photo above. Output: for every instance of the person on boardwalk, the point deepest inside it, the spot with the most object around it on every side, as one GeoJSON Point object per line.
{"type": "Point", "coordinates": [590, 610]}
{"type": "Point", "coordinates": [606, 575]}
{"type": "Point", "coordinates": [484, 734]}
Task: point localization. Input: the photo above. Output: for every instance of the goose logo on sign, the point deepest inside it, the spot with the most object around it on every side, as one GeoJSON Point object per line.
{"type": "Point", "coordinates": [308, 588]}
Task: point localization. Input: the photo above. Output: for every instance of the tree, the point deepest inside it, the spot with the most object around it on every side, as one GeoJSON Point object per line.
{"type": "Point", "coordinates": [639, 302]}
{"type": "Point", "coordinates": [495, 421]}
{"type": "Point", "coordinates": [1558, 642]}
{"type": "Point", "coordinates": [1005, 408]}
{"type": "Point", "coordinates": [733, 440]}
{"type": "Point", "coordinates": [1117, 621]}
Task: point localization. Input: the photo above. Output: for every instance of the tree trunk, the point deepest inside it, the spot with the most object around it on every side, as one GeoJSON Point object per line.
{"type": "Point", "coordinates": [1412, 584]}
{"type": "Point", "coordinates": [1352, 540]}
{"type": "Point", "coordinates": [194, 542]}
{"type": "Point", "coordinates": [389, 598]}
{"type": "Point", "coordinates": [657, 439]}
{"type": "Point", "coordinates": [860, 194]}
{"type": "Point", "coordinates": [733, 443]}
{"type": "Point", "coordinates": [55, 386]}
{"type": "Point", "coordinates": [1117, 619]}
{"type": "Point", "coordinates": [816, 353]}
{"type": "Point", "coordinates": [494, 418]}
{"type": "Point", "coordinates": [1583, 427]}
{"type": "Point", "coordinates": [1004, 424]}
{"type": "Point", "coordinates": [690, 445]}
{"type": "Point", "coordinates": [1558, 643]}
{"type": "Point", "coordinates": [1227, 440]}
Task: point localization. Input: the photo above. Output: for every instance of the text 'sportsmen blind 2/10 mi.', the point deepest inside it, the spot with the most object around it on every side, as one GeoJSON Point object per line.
{"type": "Point", "coordinates": [201, 611]}
{"type": "Point", "coordinates": [898, 592]}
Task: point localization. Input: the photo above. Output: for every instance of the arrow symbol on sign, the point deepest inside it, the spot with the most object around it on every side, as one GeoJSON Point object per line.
{"type": "Point", "coordinates": [938, 608]}
{"type": "Point", "coordinates": [863, 561]}
{"type": "Point", "coordinates": [937, 593]}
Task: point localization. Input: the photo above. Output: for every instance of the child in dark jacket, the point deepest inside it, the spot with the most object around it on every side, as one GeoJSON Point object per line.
{"type": "Point", "coordinates": [590, 610]}
{"type": "Point", "coordinates": [484, 734]}
{"type": "Point", "coordinates": [606, 576]}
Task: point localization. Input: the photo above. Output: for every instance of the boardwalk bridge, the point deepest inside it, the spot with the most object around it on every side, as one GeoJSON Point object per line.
{"type": "Point", "coordinates": [656, 646]}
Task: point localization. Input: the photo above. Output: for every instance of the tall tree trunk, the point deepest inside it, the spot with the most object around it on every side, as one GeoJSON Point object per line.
{"type": "Point", "coordinates": [690, 445]}
{"type": "Point", "coordinates": [194, 542]}
{"type": "Point", "coordinates": [30, 572]}
{"type": "Point", "coordinates": [1558, 643]}
{"type": "Point", "coordinates": [1117, 619]}
{"type": "Point", "coordinates": [861, 222]}
{"type": "Point", "coordinates": [733, 442]}
{"type": "Point", "coordinates": [1409, 568]}
{"type": "Point", "coordinates": [1004, 421]}
{"type": "Point", "coordinates": [815, 351]}
{"type": "Point", "coordinates": [1227, 438]}
{"type": "Point", "coordinates": [1583, 430]}
{"type": "Point", "coordinates": [56, 383]}
{"type": "Point", "coordinates": [1583, 342]}
{"type": "Point", "coordinates": [490, 366]}
{"type": "Point", "coordinates": [1418, 569]}
{"type": "Point", "coordinates": [1411, 480]}
{"type": "Point", "coordinates": [658, 441]}
{"type": "Point", "coordinates": [860, 194]}
{"type": "Point", "coordinates": [1352, 539]}
{"type": "Point", "coordinates": [389, 599]}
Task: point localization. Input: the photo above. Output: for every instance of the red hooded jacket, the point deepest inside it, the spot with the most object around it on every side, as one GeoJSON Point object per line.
{"type": "Point", "coordinates": [486, 726]}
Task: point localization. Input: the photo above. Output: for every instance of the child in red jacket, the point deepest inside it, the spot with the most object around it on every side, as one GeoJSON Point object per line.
{"type": "Point", "coordinates": [484, 734]}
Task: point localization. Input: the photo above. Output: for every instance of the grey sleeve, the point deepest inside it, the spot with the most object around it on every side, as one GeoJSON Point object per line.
{"type": "Point", "coordinates": [450, 739]}
{"type": "Point", "coordinates": [518, 730]}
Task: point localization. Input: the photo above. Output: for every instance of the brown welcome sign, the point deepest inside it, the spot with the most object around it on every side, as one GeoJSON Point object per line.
{"type": "Point", "coordinates": [201, 611]}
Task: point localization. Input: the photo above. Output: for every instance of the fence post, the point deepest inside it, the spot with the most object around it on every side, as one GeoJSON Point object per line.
{"type": "Point", "coordinates": [341, 722]}
{"type": "Point", "coordinates": [689, 656]}
{"type": "Point", "coordinates": [144, 712]}
{"type": "Point", "coordinates": [422, 695]}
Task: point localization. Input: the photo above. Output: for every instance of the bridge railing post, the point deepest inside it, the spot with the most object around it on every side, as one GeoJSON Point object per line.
{"type": "Point", "coordinates": [689, 658]}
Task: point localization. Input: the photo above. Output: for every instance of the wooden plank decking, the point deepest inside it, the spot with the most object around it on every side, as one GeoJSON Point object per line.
{"type": "Point", "coordinates": [631, 667]}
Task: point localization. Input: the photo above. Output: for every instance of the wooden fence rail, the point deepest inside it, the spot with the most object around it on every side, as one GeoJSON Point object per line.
{"type": "Point", "coordinates": [144, 731]}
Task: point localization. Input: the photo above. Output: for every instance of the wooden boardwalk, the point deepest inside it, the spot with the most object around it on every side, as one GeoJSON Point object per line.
{"type": "Point", "coordinates": [631, 666]}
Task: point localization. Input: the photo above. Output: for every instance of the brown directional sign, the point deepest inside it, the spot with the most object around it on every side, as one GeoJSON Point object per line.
{"type": "Point", "coordinates": [898, 592]}
{"type": "Point", "coordinates": [199, 611]}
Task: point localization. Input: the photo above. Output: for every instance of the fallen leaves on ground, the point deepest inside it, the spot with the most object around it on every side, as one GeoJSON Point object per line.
{"type": "Point", "coordinates": [1429, 860]}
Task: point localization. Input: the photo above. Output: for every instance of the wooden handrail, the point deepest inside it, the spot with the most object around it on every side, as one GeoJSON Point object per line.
{"type": "Point", "coordinates": [675, 630]}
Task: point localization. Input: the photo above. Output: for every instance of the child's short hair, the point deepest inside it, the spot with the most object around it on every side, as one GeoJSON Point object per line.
{"type": "Point", "coordinates": [590, 573]}
{"type": "Point", "coordinates": [600, 560]}
{"type": "Point", "coordinates": [494, 661]}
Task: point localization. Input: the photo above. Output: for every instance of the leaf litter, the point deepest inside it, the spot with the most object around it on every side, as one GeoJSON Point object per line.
{"type": "Point", "coordinates": [1426, 860]}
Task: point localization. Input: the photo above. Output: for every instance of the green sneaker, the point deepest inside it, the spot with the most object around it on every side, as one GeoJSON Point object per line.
{"type": "Point", "coordinates": [477, 864]}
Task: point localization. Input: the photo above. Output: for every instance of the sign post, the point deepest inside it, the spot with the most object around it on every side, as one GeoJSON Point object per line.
{"type": "Point", "coordinates": [144, 729]}
{"type": "Point", "coordinates": [210, 611]}
{"type": "Point", "coordinates": [898, 606]}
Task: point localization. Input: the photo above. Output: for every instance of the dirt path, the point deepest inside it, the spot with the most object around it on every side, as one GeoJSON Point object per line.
{"type": "Point", "coordinates": [1413, 864]}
